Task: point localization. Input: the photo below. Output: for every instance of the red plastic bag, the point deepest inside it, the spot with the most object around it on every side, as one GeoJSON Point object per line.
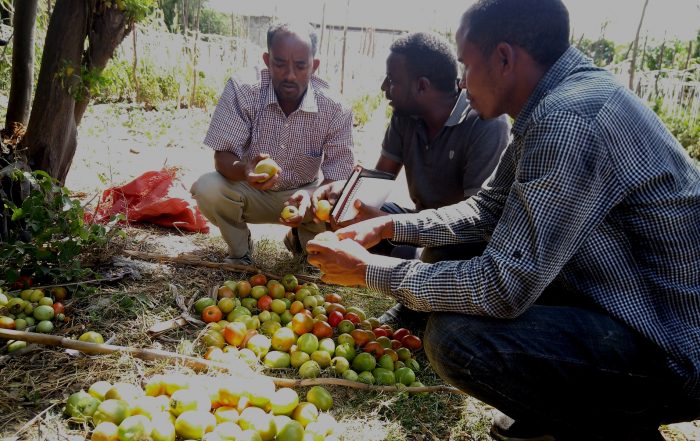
{"type": "Point", "coordinates": [145, 199]}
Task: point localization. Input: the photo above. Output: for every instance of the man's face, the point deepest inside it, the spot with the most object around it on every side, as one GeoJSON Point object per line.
{"type": "Point", "coordinates": [479, 77]}
{"type": "Point", "coordinates": [398, 85]}
{"type": "Point", "coordinates": [291, 66]}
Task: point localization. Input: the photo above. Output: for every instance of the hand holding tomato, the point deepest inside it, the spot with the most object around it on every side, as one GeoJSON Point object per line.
{"type": "Point", "coordinates": [261, 181]}
{"type": "Point", "coordinates": [342, 262]}
{"type": "Point", "coordinates": [370, 232]}
{"type": "Point", "coordinates": [302, 200]}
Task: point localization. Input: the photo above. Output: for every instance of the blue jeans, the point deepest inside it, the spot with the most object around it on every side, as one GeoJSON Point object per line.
{"type": "Point", "coordinates": [575, 371]}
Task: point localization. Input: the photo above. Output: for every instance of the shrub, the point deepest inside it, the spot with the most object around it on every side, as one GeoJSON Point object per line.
{"type": "Point", "coordinates": [47, 236]}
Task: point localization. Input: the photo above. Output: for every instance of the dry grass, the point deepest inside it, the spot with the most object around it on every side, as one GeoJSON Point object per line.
{"type": "Point", "coordinates": [42, 378]}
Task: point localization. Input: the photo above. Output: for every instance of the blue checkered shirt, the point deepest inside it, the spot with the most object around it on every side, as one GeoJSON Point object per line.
{"type": "Point", "coordinates": [593, 192]}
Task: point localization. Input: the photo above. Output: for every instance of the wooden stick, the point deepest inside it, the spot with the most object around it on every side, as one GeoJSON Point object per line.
{"type": "Point", "coordinates": [195, 261]}
{"type": "Point", "coordinates": [200, 363]}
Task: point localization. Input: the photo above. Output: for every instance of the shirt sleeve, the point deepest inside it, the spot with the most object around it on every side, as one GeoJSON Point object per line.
{"type": "Point", "coordinates": [231, 125]}
{"type": "Point", "coordinates": [563, 186]}
{"type": "Point", "coordinates": [338, 158]}
{"type": "Point", "coordinates": [393, 141]}
{"type": "Point", "coordinates": [487, 140]}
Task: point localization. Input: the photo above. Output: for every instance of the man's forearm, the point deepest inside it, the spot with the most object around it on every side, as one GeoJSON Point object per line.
{"type": "Point", "coordinates": [229, 166]}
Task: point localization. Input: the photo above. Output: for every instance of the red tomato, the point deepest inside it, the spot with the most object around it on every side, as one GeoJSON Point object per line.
{"type": "Point", "coordinates": [333, 298]}
{"type": "Point", "coordinates": [335, 317]}
{"type": "Point", "coordinates": [264, 303]}
{"type": "Point", "coordinates": [400, 333]}
{"type": "Point", "coordinates": [374, 348]}
{"type": "Point", "coordinates": [412, 342]}
{"type": "Point", "coordinates": [354, 318]}
{"type": "Point", "coordinates": [211, 314]}
{"type": "Point", "coordinates": [58, 308]}
{"type": "Point", "coordinates": [379, 332]}
{"type": "Point", "coordinates": [258, 279]}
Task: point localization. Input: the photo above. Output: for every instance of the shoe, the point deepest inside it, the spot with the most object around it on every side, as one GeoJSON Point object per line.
{"type": "Point", "coordinates": [391, 315]}
{"type": "Point", "coordinates": [400, 316]}
{"type": "Point", "coordinates": [505, 428]}
{"type": "Point", "coordinates": [292, 242]}
{"type": "Point", "coordinates": [246, 260]}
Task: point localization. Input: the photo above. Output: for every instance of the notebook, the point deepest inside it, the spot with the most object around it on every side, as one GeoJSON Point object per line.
{"type": "Point", "coordinates": [370, 186]}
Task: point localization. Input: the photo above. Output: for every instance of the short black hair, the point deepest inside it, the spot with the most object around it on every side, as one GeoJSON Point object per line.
{"type": "Point", "coordinates": [300, 29]}
{"type": "Point", "coordinates": [540, 27]}
{"type": "Point", "coordinates": [431, 56]}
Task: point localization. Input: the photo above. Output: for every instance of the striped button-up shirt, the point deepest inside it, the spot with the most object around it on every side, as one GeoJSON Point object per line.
{"type": "Point", "coordinates": [318, 135]}
{"type": "Point", "coordinates": [593, 192]}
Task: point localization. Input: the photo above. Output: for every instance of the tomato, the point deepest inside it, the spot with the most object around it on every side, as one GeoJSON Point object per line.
{"type": "Point", "coordinates": [379, 332]}
{"type": "Point", "coordinates": [335, 317]}
{"type": "Point", "coordinates": [336, 307]}
{"type": "Point", "coordinates": [225, 292]}
{"type": "Point", "coordinates": [23, 282]}
{"type": "Point", "coordinates": [264, 303]}
{"type": "Point", "coordinates": [258, 280]}
{"type": "Point", "coordinates": [374, 348]}
{"type": "Point", "coordinates": [361, 337]}
{"type": "Point", "coordinates": [193, 424]}
{"type": "Point", "coordinates": [58, 308]}
{"type": "Point", "coordinates": [412, 342]}
{"type": "Point", "coordinates": [59, 293]}
{"type": "Point", "coordinates": [302, 323]}
{"type": "Point", "coordinates": [401, 333]}
{"type": "Point", "coordinates": [333, 298]}
{"type": "Point", "coordinates": [234, 333]}
{"type": "Point", "coordinates": [211, 314]}
{"type": "Point", "coordinates": [283, 339]}
{"type": "Point", "coordinates": [322, 329]}
{"type": "Point", "coordinates": [354, 318]}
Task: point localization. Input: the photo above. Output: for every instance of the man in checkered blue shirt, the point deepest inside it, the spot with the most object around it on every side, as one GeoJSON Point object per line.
{"type": "Point", "coordinates": [289, 115]}
{"type": "Point", "coordinates": [581, 319]}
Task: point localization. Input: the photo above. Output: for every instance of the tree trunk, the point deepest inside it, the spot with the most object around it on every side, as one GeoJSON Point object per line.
{"type": "Point", "coordinates": [51, 133]}
{"type": "Point", "coordinates": [108, 28]}
{"type": "Point", "coordinates": [635, 46]}
{"type": "Point", "coordinates": [194, 55]}
{"type": "Point", "coordinates": [22, 64]}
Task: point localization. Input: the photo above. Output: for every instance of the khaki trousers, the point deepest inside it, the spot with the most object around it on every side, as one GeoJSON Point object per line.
{"type": "Point", "coordinates": [231, 205]}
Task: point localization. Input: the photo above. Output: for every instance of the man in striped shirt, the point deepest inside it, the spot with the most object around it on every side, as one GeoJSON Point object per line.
{"type": "Point", "coordinates": [290, 116]}
{"type": "Point", "coordinates": [581, 319]}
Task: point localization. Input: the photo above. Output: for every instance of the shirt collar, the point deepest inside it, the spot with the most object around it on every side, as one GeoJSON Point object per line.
{"type": "Point", "coordinates": [569, 60]}
{"type": "Point", "coordinates": [308, 102]}
{"type": "Point", "coordinates": [460, 110]}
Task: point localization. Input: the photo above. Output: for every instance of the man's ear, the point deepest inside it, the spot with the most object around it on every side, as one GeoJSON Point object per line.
{"type": "Point", "coordinates": [315, 65]}
{"type": "Point", "coordinates": [423, 84]}
{"type": "Point", "coordinates": [505, 54]}
{"type": "Point", "coordinates": [266, 59]}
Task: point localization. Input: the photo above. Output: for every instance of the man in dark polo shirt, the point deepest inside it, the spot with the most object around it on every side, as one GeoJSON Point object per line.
{"type": "Point", "coordinates": [447, 150]}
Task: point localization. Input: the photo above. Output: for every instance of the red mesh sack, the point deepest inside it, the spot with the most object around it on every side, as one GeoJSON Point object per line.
{"type": "Point", "coordinates": [145, 199]}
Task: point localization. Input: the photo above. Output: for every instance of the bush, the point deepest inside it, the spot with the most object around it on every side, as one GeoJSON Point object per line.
{"type": "Point", "coordinates": [687, 133]}
{"type": "Point", "coordinates": [363, 107]}
{"type": "Point", "coordinates": [47, 236]}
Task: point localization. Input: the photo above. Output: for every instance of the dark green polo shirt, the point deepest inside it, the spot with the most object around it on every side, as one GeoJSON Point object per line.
{"type": "Point", "coordinates": [454, 165]}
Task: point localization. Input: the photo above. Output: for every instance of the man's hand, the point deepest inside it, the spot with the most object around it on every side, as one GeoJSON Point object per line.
{"type": "Point", "coordinates": [365, 212]}
{"type": "Point", "coordinates": [254, 179]}
{"type": "Point", "coordinates": [329, 192]}
{"type": "Point", "coordinates": [300, 199]}
{"type": "Point", "coordinates": [370, 232]}
{"type": "Point", "coordinates": [342, 262]}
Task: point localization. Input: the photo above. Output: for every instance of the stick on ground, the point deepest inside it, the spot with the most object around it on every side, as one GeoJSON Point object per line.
{"type": "Point", "coordinates": [200, 363]}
